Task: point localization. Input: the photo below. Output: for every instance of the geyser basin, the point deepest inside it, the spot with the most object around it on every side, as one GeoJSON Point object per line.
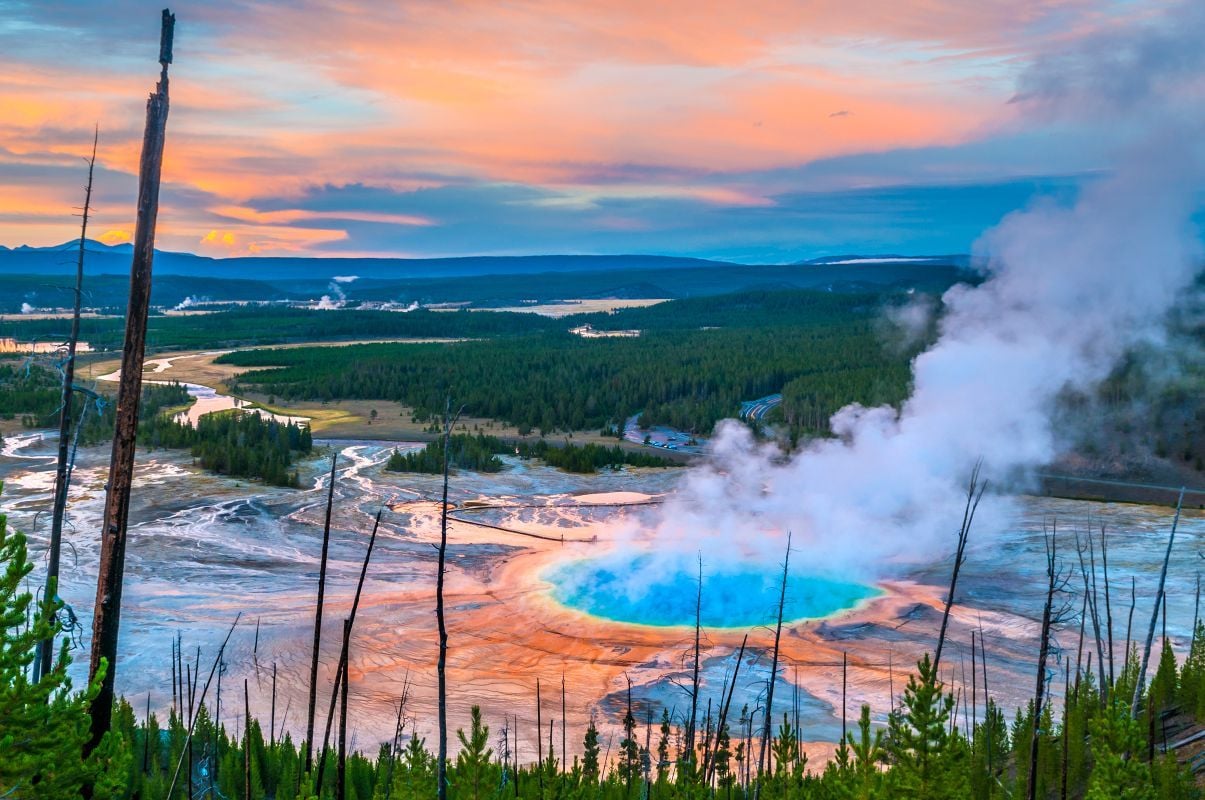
{"type": "Point", "coordinates": [645, 590]}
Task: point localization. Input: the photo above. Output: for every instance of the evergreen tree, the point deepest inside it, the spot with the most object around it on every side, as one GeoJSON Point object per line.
{"type": "Point", "coordinates": [929, 760]}
{"type": "Point", "coordinates": [1117, 773]}
{"type": "Point", "coordinates": [44, 724]}
{"type": "Point", "coordinates": [473, 762]}
{"type": "Point", "coordinates": [590, 755]}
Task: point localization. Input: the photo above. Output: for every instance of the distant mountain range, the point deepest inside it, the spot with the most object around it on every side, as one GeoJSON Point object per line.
{"type": "Point", "coordinates": [40, 277]}
{"type": "Point", "coordinates": [104, 259]}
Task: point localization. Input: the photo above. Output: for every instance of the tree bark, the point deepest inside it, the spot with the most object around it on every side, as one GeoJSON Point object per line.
{"type": "Point", "coordinates": [313, 697]}
{"type": "Point", "coordinates": [442, 665]}
{"type": "Point", "coordinates": [974, 494]}
{"type": "Point", "coordinates": [44, 663]}
{"type": "Point", "coordinates": [1043, 652]}
{"type": "Point", "coordinates": [769, 724]}
{"type": "Point", "coordinates": [246, 741]}
{"type": "Point", "coordinates": [341, 670]}
{"type": "Point", "coordinates": [341, 765]}
{"type": "Point", "coordinates": [694, 680]}
{"type": "Point", "coordinates": [107, 615]}
{"type": "Point", "coordinates": [1150, 634]}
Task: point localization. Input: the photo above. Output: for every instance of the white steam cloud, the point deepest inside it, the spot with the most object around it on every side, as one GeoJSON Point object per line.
{"type": "Point", "coordinates": [336, 298]}
{"type": "Point", "coordinates": [1068, 290]}
{"type": "Point", "coordinates": [26, 308]}
{"type": "Point", "coordinates": [189, 302]}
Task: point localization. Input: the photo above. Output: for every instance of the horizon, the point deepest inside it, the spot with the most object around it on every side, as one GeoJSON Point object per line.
{"type": "Point", "coordinates": [766, 135]}
{"type": "Point", "coordinates": [127, 247]}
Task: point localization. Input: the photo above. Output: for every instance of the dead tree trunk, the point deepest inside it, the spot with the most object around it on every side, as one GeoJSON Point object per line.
{"type": "Point", "coordinates": [1105, 688]}
{"type": "Point", "coordinates": [1065, 766]}
{"type": "Point", "coordinates": [1140, 684]}
{"type": "Point", "coordinates": [727, 702]}
{"type": "Point", "coordinates": [768, 729]}
{"type": "Point", "coordinates": [43, 664]}
{"type": "Point", "coordinates": [246, 741]}
{"type": "Point", "coordinates": [564, 728]}
{"type": "Point", "coordinates": [1043, 652]}
{"type": "Point", "coordinates": [442, 664]}
{"type": "Point", "coordinates": [1104, 557]}
{"type": "Point", "coordinates": [694, 679]}
{"type": "Point", "coordinates": [341, 764]}
{"type": "Point", "coordinates": [975, 491]}
{"type": "Point", "coordinates": [313, 698]}
{"type": "Point", "coordinates": [540, 735]}
{"type": "Point", "coordinates": [188, 739]}
{"type": "Point", "coordinates": [272, 723]}
{"type": "Point", "coordinates": [1130, 618]}
{"type": "Point", "coordinates": [107, 616]}
{"type": "Point", "coordinates": [974, 693]}
{"type": "Point", "coordinates": [341, 670]}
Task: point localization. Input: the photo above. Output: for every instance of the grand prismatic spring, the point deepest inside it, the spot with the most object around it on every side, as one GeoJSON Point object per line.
{"type": "Point", "coordinates": [537, 590]}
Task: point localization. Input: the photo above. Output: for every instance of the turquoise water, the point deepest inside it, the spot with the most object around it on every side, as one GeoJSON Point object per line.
{"type": "Point", "coordinates": [627, 588]}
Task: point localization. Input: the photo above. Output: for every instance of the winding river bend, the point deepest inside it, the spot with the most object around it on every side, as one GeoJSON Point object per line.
{"type": "Point", "coordinates": [207, 400]}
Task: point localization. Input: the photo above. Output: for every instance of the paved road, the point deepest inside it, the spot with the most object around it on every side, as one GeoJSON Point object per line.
{"type": "Point", "coordinates": [756, 410]}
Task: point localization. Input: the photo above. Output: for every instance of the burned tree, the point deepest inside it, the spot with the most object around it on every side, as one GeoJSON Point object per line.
{"type": "Point", "coordinates": [313, 698]}
{"type": "Point", "coordinates": [694, 678]}
{"type": "Point", "coordinates": [975, 491]}
{"type": "Point", "coordinates": [442, 665]}
{"type": "Point", "coordinates": [1056, 582]}
{"type": "Point", "coordinates": [1140, 684]}
{"type": "Point", "coordinates": [107, 616]}
{"type": "Point", "coordinates": [43, 663]}
{"type": "Point", "coordinates": [768, 729]}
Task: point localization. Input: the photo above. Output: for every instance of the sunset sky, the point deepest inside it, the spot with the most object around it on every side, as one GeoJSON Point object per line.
{"type": "Point", "coordinates": [759, 130]}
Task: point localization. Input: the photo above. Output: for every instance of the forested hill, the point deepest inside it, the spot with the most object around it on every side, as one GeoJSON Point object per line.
{"type": "Point", "coordinates": [696, 361]}
{"type": "Point", "coordinates": [103, 259]}
{"type": "Point", "coordinates": [44, 279]}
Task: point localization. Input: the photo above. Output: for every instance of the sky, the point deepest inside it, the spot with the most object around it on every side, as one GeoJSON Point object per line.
{"type": "Point", "coordinates": [758, 131]}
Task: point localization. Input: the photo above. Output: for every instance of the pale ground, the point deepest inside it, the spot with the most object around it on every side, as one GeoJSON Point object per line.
{"type": "Point", "coordinates": [53, 315]}
{"type": "Point", "coordinates": [570, 307]}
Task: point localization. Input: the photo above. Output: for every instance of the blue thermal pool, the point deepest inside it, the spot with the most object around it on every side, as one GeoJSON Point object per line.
{"type": "Point", "coordinates": [638, 589]}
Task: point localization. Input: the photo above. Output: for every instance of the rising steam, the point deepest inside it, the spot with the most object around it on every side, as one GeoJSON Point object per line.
{"type": "Point", "coordinates": [1067, 291]}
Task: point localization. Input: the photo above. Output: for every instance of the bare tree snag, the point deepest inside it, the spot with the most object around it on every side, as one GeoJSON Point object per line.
{"type": "Point", "coordinates": [769, 715]}
{"type": "Point", "coordinates": [1104, 557]}
{"type": "Point", "coordinates": [180, 762]}
{"type": "Point", "coordinates": [727, 702]}
{"type": "Point", "coordinates": [43, 662]}
{"type": "Point", "coordinates": [313, 698]}
{"type": "Point", "coordinates": [246, 741]}
{"type": "Point", "coordinates": [975, 491]}
{"type": "Point", "coordinates": [341, 764]}
{"type": "Point", "coordinates": [1150, 634]}
{"type": "Point", "coordinates": [442, 664]}
{"type": "Point", "coordinates": [1049, 615]}
{"type": "Point", "coordinates": [341, 670]}
{"type": "Point", "coordinates": [107, 616]}
{"type": "Point", "coordinates": [694, 679]}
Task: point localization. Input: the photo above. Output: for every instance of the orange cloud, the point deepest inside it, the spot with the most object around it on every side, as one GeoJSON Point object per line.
{"type": "Point", "coordinates": [115, 237]}
{"type": "Point", "coordinates": [273, 100]}
{"type": "Point", "coordinates": [285, 216]}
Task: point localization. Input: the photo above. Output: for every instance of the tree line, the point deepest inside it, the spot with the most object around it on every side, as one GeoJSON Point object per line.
{"type": "Point", "coordinates": [689, 371]}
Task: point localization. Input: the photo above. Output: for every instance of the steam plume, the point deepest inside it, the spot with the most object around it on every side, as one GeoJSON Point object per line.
{"type": "Point", "coordinates": [1068, 290]}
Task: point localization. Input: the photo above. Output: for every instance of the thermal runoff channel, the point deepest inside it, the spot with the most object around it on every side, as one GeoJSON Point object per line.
{"type": "Point", "coordinates": [728, 596]}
